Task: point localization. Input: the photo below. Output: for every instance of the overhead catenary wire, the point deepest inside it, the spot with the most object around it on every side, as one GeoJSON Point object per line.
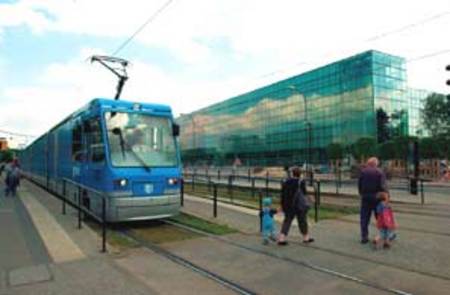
{"type": "Point", "coordinates": [376, 38]}
{"type": "Point", "coordinates": [408, 26]}
{"type": "Point", "coordinates": [12, 133]}
{"type": "Point", "coordinates": [148, 21]}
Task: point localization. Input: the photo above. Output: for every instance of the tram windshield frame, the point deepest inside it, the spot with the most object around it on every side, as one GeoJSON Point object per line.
{"type": "Point", "coordinates": [140, 140]}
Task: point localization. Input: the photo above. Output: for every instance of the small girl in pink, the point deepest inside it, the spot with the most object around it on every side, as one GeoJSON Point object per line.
{"type": "Point", "coordinates": [385, 221]}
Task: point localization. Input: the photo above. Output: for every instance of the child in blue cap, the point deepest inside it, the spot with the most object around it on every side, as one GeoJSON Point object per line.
{"type": "Point", "coordinates": [268, 226]}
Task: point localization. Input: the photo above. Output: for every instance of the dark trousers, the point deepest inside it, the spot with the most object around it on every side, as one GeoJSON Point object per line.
{"type": "Point", "coordinates": [301, 219]}
{"type": "Point", "coordinates": [368, 205]}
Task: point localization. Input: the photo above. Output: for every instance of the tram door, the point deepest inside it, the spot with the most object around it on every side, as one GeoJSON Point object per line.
{"type": "Point", "coordinates": [95, 153]}
{"type": "Point", "coordinates": [78, 153]}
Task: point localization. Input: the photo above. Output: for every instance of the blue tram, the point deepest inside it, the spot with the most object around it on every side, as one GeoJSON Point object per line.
{"type": "Point", "coordinates": [127, 151]}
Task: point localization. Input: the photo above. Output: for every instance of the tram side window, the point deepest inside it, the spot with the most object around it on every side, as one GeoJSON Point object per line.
{"type": "Point", "coordinates": [77, 145]}
{"type": "Point", "coordinates": [96, 145]}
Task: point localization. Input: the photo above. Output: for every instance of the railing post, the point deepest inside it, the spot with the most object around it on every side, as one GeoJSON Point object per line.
{"type": "Point", "coordinates": [337, 184]}
{"type": "Point", "coordinates": [193, 180]}
{"type": "Point", "coordinates": [103, 224]}
{"type": "Point", "coordinates": [218, 174]}
{"type": "Point", "coordinates": [215, 200]}
{"type": "Point", "coordinates": [422, 194]}
{"type": "Point", "coordinates": [249, 174]}
{"type": "Point", "coordinates": [253, 187]}
{"type": "Point", "coordinates": [316, 203]}
{"type": "Point", "coordinates": [79, 207]}
{"type": "Point", "coordinates": [319, 193]}
{"type": "Point", "coordinates": [267, 183]}
{"type": "Point", "coordinates": [230, 187]}
{"type": "Point", "coordinates": [209, 183]}
{"type": "Point", "coordinates": [64, 197]}
{"type": "Point", "coordinates": [260, 210]}
{"type": "Point", "coordinates": [182, 192]}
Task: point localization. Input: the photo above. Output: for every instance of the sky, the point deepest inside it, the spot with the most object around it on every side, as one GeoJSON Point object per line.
{"type": "Point", "coordinates": [196, 53]}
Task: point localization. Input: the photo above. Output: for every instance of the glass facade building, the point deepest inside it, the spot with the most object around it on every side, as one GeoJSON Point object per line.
{"type": "Point", "coordinates": [272, 125]}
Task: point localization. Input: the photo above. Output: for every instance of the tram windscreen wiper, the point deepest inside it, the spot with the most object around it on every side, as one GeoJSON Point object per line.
{"type": "Point", "coordinates": [117, 131]}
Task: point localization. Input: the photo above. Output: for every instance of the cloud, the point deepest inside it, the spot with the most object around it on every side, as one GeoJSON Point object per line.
{"type": "Point", "coordinates": [285, 37]}
{"type": "Point", "coordinates": [64, 87]}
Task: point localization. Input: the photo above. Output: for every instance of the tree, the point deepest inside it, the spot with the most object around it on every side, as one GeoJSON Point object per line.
{"type": "Point", "coordinates": [386, 150]}
{"type": "Point", "coordinates": [335, 151]}
{"type": "Point", "coordinates": [383, 132]}
{"type": "Point", "coordinates": [364, 148]}
{"type": "Point", "coordinates": [436, 115]}
{"type": "Point", "coordinates": [6, 156]}
{"type": "Point", "coordinates": [431, 148]}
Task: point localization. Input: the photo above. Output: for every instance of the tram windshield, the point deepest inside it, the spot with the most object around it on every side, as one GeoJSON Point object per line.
{"type": "Point", "coordinates": [139, 140]}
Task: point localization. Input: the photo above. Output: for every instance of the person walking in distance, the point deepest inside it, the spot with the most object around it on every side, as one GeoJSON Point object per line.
{"type": "Point", "coordinates": [12, 179]}
{"type": "Point", "coordinates": [294, 188]}
{"type": "Point", "coordinates": [371, 182]}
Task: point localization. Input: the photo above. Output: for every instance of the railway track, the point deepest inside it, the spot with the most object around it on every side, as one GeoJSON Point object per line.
{"type": "Point", "coordinates": [237, 288]}
{"type": "Point", "coordinates": [233, 286]}
{"type": "Point", "coordinates": [335, 252]}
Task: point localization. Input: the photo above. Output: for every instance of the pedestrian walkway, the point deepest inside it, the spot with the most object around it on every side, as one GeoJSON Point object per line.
{"type": "Point", "coordinates": [43, 252]}
{"type": "Point", "coordinates": [419, 260]}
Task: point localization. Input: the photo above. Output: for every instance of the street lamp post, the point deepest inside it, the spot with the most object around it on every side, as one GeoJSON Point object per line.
{"type": "Point", "coordinates": [309, 130]}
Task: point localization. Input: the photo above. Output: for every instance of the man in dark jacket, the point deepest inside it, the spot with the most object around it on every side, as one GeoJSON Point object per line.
{"type": "Point", "coordinates": [371, 181]}
{"type": "Point", "coordinates": [288, 191]}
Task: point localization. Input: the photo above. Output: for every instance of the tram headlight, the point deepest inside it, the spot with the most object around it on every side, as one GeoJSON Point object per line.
{"type": "Point", "coordinates": [172, 181]}
{"type": "Point", "coordinates": [120, 183]}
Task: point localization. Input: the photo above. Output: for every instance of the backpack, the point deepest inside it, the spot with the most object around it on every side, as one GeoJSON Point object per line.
{"type": "Point", "coordinates": [386, 219]}
{"type": "Point", "coordinates": [301, 201]}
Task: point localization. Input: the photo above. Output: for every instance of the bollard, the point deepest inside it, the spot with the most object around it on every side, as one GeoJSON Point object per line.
{"type": "Point", "coordinates": [253, 188]}
{"type": "Point", "coordinates": [103, 225]}
{"type": "Point", "coordinates": [64, 198]}
{"type": "Point", "coordinates": [79, 207]}
{"type": "Point", "coordinates": [260, 210]}
{"type": "Point", "coordinates": [422, 195]}
{"type": "Point", "coordinates": [182, 192]}
{"type": "Point", "coordinates": [215, 200]}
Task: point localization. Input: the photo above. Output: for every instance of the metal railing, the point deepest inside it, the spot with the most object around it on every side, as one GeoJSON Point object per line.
{"type": "Point", "coordinates": [76, 202]}
{"type": "Point", "coordinates": [331, 187]}
{"type": "Point", "coordinates": [79, 191]}
{"type": "Point", "coordinates": [212, 187]}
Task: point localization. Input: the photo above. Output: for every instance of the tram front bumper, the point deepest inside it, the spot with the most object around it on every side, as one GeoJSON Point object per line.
{"type": "Point", "coordinates": [142, 207]}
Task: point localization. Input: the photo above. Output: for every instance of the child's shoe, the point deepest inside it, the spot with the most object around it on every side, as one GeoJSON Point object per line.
{"type": "Point", "coordinates": [265, 242]}
{"type": "Point", "coordinates": [375, 244]}
{"type": "Point", "coordinates": [386, 245]}
{"type": "Point", "coordinates": [392, 237]}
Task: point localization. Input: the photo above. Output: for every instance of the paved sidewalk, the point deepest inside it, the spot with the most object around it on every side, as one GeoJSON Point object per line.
{"type": "Point", "coordinates": [419, 260]}
{"type": "Point", "coordinates": [67, 260]}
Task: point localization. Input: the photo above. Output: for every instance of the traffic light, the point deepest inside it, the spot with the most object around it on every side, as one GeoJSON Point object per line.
{"type": "Point", "coordinates": [414, 152]}
{"type": "Point", "coordinates": [448, 69]}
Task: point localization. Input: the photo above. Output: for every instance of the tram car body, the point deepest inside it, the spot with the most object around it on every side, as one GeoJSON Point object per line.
{"type": "Point", "coordinates": [128, 152]}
